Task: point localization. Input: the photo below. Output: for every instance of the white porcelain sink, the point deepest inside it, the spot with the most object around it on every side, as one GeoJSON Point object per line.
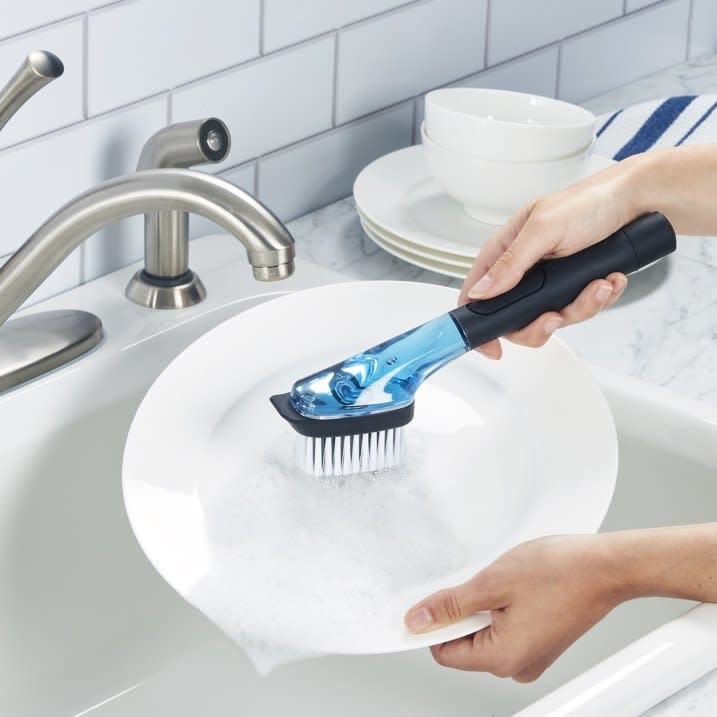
{"type": "Point", "coordinates": [88, 627]}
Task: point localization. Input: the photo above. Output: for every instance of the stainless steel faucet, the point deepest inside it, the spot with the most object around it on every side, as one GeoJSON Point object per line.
{"type": "Point", "coordinates": [269, 246]}
{"type": "Point", "coordinates": [30, 346]}
{"type": "Point", "coordinates": [166, 281]}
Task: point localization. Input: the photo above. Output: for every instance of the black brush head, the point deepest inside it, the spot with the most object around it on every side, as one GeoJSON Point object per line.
{"type": "Point", "coordinates": [348, 426]}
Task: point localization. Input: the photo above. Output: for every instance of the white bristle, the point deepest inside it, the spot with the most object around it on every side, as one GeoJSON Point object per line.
{"type": "Point", "coordinates": [349, 455]}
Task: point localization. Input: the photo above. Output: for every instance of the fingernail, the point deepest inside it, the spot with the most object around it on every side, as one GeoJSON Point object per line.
{"type": "Point", "coordinates": [602, 293]}
{"type": "Point", "coordinates": [480, 287]}
{"type": "Point", "coordinates": [419, 619]}
{"type": "Point", "coordinates": [489, 352]}
{"type": "Point", "coordinates": [551, 325]}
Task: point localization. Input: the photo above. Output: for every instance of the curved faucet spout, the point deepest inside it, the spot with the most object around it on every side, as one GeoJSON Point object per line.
{"type": "Point", "coordinates": [269, 245]}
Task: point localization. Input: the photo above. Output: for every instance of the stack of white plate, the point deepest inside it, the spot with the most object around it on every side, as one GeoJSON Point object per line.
{"type": "Point", "coordinates": [404, 210]}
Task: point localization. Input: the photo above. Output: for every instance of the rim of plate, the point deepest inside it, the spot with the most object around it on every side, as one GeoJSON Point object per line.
{"type": "Point", "coordinates": [435, 266]}
{"type": "Point", "coordinates": [418, 249]}
{"type": "Point", "coordinates": [381, 190]}
{"type": "Point", "coordinates": [450, 260]}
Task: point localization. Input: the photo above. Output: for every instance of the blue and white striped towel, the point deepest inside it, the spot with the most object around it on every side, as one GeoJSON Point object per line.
{"type": "Point", "coordinates": [667, 122]}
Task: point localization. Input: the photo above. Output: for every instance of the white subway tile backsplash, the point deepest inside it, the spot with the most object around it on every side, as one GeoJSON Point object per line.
{"type": "Point", "coordinates": [624, 50]}
{"type": "Point", "coordinates": [536, 73]}
{"type": "Point", "coordinates": [312, 90]}
{"type": "Point", "coordinates": [27, 14]}
{"type": "Point", "coordinates": [59, 103]}
{"type": "Point", "coordinates": [288, 21]}
{"type": "Point", "coordinates": [266, 104]}
{"type": "Point", "coordinates": [137, 49]}
{"type": "Point", "coordinates": [410, 50]}
{"type": "Point", "coordinates": [245, 178]}
{"type": "Point", "coordinates": [517, 26]}
{"type": "Point", "coordinates": [65, 163]}
{"type": "Point", "coordinates": [703, 28]}
{"type": "Point", "coordinates": [320, 170]}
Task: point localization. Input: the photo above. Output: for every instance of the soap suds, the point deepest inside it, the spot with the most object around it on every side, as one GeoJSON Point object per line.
{"type": "Point", "coordinates": [301, 562]}
{"type": "Point", "coordinates": [298, 565]}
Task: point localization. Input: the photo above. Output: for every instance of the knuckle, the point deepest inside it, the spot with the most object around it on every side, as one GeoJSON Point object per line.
{"type": "Point", "coordinates": [538, 219]}
{"type": "Point", "coordinates": [450, 606]}
{"type": "Point", "coordinates": [505, 261]}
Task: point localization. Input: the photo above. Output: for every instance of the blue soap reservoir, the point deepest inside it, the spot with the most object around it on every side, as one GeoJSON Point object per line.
{"type": "Point", "coordinates": [384, 377]}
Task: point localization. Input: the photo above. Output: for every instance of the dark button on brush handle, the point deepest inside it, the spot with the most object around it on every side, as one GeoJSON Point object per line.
{"type": "Point", "coordinates": [553, 284]}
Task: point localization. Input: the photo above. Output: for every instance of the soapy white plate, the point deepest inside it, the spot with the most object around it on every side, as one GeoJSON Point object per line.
{"type": "Point", "coordinates": [398, 194]}
{"type": "Point", "coordinates": [499, 452]}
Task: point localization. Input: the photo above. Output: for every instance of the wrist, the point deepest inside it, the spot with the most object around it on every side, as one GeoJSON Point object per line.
{"type": "Point", "coordinates": [617, 556]}
{"type": "Point", "coordinates": [636, 184]}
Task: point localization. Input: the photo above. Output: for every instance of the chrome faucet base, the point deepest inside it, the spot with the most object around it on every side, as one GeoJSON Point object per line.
{"type": "Point", "coordinates": [156, 293]}
{"type": "Point", "coordinates": [35, 344]}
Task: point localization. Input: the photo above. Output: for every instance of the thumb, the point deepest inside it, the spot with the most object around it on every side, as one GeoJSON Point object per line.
{"type": "Point", "coordinates": [451, 605]}
{"type": "Point", "coordinates": [529, 246]}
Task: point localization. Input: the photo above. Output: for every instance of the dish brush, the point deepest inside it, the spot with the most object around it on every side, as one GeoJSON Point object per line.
{"type": "Point", "coordinates": [350, 417]}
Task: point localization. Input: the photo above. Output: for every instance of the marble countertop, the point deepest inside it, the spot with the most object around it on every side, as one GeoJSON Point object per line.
{"type": "Point", "coordinates": [663, 330]}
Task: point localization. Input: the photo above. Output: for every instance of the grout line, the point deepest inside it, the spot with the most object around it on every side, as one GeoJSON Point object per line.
{"type": "Point", "coordinates": [239, 165]}
{"type": "Point", "coordinates": [347, 26]}
{"type": "Point", "coordinates": [487, 33]}
{"type": "Point", "coordinates": [255, 183]}
{"type": "Point", "coordinates": [85, 66]}
{"type": "Point", "coordinates": [386, 13]}
{"type": "Point", "coordinates": [624, 7]}
{"type": "Point", "coordinates": [690, 16]}
{"type": "Point", "coordinates": [414, 129]}
{"type": "Point", "coordinates": [257, 175]}
{"type": "Point", "coordinates": [452, 82]}
{"type": "Point", "coordinates": [314, 137]}
{"type": "Point", "coordinates": [262, 21]}
{"type": "Point", "coordinates": [74, 125]}
{"type": "Point", "coordinates": [57, 21]}
{"type": "Point", "coordinates": [83, 259]}
{"type": "Point", "coordinates": [45, 26]}
{"type": "Point", "coordinates": [250, 62]}
{"type": "Point", "coordinates": [170, 107]}
{"type": "Point", "coordinates": [558, 70]}
{"type": "Point", "coordinates": [325, 133]}
{"type": "Point", "coordinates": [335, 88]}
{"type": "Point", "coordinates": [585, 31]}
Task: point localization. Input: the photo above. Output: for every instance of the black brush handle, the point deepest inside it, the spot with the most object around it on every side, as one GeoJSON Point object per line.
{"type": "Point", "coordinates": [553, 284]}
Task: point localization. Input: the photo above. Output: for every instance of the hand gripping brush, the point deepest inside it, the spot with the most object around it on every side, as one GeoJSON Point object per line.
{"type": "Point", "coordinates": [350, 416]}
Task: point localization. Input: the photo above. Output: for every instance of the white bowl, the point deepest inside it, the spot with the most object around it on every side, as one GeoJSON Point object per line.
{"type": "Point", "coordinates": [498, 124]}
{"type": "Point", "coordinates": [492, 190]}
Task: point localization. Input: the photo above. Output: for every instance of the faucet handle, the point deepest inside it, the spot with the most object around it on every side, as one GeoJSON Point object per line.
{"type": "Point", "coordinates": [184, 144]}
{"type": "Point", "coordinates": [38, 69]}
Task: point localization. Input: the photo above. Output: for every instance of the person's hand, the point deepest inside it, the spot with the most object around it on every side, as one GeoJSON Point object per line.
{"type": "Point", "coordinates": [542, 595]}
{"type": "Point", "coordinates": [555, 225]}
